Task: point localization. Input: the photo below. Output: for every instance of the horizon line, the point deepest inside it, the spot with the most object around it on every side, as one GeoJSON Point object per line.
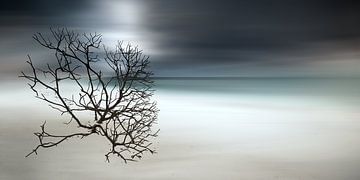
{"type": "Point", "coordinates": [246, 77]}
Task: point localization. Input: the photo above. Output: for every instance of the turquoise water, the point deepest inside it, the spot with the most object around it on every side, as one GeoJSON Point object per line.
{"type": "Point", "coordinates": [344, 90]}
{"type": "Point", "coordinates": [264, 85]}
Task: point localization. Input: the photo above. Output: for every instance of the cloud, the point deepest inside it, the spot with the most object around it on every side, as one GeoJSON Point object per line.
{"type": "Point", "coordinates": [182, 34]}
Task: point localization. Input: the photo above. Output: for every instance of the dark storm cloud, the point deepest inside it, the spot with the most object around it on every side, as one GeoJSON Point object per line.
{"type": "Point", "coordinates": [197, 34]}
{"type": "Point", "coordinates": [40, 12]}
{"type": "Point", "coordinates": [42, 7]}
{"type": "Point", "coordinates": [250, 30]}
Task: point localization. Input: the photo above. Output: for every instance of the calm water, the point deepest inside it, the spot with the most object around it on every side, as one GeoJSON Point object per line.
{"type": "Point", "coordinates": [260, 129]}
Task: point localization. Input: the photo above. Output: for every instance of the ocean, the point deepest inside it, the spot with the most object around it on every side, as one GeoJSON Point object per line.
{"type": "Point", "coordinates": [210, 128]}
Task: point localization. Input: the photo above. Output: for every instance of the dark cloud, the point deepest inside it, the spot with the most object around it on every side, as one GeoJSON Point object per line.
{"type": "Point", "coordinates": [197, 33]}
{"type": "Point", "coordinates": [42, 7]}
{"type": "Point", "coordinates": [37, 13]}
{"type": "Point", "coordinates": [197, 26]}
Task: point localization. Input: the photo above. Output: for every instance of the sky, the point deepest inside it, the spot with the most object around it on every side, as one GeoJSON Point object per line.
{"type": "Point", "coordinates": [247, 38]}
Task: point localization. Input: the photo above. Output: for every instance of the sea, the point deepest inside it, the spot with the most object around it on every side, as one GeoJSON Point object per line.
{"type": "Point", "coordinates": [211, 128]}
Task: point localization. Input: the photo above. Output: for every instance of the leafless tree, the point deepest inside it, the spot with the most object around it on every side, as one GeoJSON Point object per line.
{"type": "Point", "coordinates": [114, 86]}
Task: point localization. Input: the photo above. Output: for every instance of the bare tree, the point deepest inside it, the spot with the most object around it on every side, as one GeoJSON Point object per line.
{"type": "Point", "coordinates": [113, 86]}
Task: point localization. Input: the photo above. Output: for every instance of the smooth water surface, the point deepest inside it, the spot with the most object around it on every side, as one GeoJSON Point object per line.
{"type": "Point", "coordinates": [249, 128]}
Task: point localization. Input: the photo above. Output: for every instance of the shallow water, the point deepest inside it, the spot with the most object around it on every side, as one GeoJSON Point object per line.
{"type": "Point", "coordinates": [262, 129]}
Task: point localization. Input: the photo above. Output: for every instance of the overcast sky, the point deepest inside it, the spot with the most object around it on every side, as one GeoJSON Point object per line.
{"type": "Point", "coordinates": [200, 37]}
